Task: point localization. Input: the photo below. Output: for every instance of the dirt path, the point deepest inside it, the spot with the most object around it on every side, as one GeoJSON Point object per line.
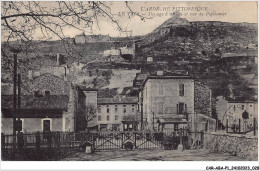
{"type": "Point", "coordinates": [153, 155]}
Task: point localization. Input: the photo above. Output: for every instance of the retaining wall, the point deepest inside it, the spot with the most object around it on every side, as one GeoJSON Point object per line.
{"type": "Point", "coordinates": [240, 145]}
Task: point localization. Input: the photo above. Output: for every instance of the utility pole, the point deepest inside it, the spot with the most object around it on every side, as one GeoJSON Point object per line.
{"type": "Point", "coordinates": [15, 51]}
{"type": "Point", "coordinates": [19, 101]}
{"type": "Point", "coordinates": [14, 98]}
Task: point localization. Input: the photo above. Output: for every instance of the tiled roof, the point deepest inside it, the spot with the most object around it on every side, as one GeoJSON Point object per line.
{"type": "Point", "coordinates": [126, 100]}
{"type": "Point", "coordinates": [31, 102]}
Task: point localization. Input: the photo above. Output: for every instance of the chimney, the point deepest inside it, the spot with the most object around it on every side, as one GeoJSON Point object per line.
{"type": "Point", "coordinates": [159, 73]}
{"type": "Point", "coordinates": [30, 74]}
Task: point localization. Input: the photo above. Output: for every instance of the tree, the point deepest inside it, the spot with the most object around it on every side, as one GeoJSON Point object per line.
{"type": "Point", "coordinates": [22, 19]}
{"type": "Point", "coordinates": [26, 21]}
{"type": "Point", "coordinates": [85, 115]}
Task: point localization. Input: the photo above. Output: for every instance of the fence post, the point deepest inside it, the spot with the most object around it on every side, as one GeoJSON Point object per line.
{"type": "Point", "coordinates": [20, 141]}
{"type": "Point", "coordinates": [254, 126]}
{"type": "Point", "coordinates": [135, 140]}
{"type": "Point", "coordinates": [38, 144]}
{"type": "Point", "coordinates": [227, 126]}
{"type": "Point", "coordinates": [57, 144]}
{"type": "Point", "coordinates": [49, 136]}
{"type": "Point", "coordinates": [122, 140]}
{"type": "Point", "coordinates": [202, 139]}
{"type": "Point", "coordinates": [2, 141]}
{"type": "Point", "coordinates": [239, 125]}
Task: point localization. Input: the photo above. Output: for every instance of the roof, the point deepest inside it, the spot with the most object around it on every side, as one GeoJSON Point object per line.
{"type": "Point", "coordinates": [240, 100]}
{"type": "Point", "coordinates": [126, 100]}
{"type": "Point", "coordinates": [129, 118]}
{"type": "Point", "coordinates": [171, 120]}
{"type": "Point", "coordinates": [167, 77]}
{"type": "Point", "coordinates": [83, 88]}
{"type": "Point", "coordinates": [31, 102]}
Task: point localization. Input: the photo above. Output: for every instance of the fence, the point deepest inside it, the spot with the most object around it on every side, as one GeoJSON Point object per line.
{"type": "Point", "coordinates": [55, 145]}
{"type": "Point", "coordinates": [38, 146]}
{"type": "Point", "coordinates": [242, 127]}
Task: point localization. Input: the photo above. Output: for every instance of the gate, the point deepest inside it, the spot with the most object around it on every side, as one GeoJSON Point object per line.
{"type": "Point", "coordinates": [137, 139]}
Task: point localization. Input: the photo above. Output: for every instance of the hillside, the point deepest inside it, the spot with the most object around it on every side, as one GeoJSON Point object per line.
{"type": "Point", "coordinates": [176, 39]}
{"type": "Point", "coordinates": [178, 36]}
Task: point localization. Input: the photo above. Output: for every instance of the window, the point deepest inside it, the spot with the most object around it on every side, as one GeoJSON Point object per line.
{"type": "Point", "coordinates": [99, 118]}
{"type": "Point", "coordinates": [116, 118]}
{"type": "Point", "coordinates": [160, 107]}
{"type": "Point", "coordinates": [181, 89]}
{"type": "Point", "coordinates": [47, 93]}
{"type": "Point", "coordinates": [19, 125]}
{"type": "Point", "coordinates": [99, 109]}
{"type": "Point", "coordinates": [107, 118]}
{"type": "Point", "coordinates": [243, 107]}
{"type": "Point", "coordinates": [160, 91]}
{"type": "Point", "coordinates": [124, 108]}
{"type": "Point", "coordinates": [175, 127]}
{"type": "Point", "coordinates": [107, 108]}
{"type": "Point", "coordinates": [115, 108]}
{"type": "Point", "coordinates": [180, 108]}
{"type": "Point", "coordinates": [133, 108]}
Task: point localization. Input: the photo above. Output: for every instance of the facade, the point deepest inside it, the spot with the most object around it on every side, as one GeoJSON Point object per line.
{"type": "Point", "coordinates": [112, 111]}
{"type": "Point", "coordinates": [49, 105]}
{"type": "Point", "coordinates": [236, 108]}
{"type": "Point", "coordinates": [174, 102]}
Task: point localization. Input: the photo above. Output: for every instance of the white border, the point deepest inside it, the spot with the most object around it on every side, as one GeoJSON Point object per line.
{"type": "Point", "coordinates": [180, 165]}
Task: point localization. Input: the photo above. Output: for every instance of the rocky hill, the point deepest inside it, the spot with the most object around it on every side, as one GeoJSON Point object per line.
{"type": "Point", "coordinates": [201, 39]}
{"type": "Point", "coordinates": [175, 39]}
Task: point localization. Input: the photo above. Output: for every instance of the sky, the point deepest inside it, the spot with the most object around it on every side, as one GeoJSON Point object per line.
{"type": "Point", "coordinates": [234, 12]}
{"type": "Point", "coordinates": [157, 12]}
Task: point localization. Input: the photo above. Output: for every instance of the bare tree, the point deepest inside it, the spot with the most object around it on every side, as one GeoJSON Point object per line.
{"type": "Point", "coordinates": [85, 115]}
{"type": "Point", "coordinates": [23, 19]}
{"type": "Point", "coordinates": [29, 20]}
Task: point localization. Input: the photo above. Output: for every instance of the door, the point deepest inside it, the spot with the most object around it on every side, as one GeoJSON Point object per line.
{"type": "Point", "coordinates": [46, 126]}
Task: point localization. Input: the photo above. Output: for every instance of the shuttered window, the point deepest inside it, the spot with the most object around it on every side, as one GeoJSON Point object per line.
{"type": "Point", "coordinates": [181, 89]}
{"type": "Point", "coordinates": [181, 108]}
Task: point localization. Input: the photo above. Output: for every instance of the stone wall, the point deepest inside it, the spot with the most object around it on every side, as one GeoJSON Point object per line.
{"type": "Point", "coordinates": [202, 99]}
{"type": "Point", "coordinates": [240, 145]}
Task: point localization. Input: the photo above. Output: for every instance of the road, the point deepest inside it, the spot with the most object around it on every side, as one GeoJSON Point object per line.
{"type": "Point", "coordinates": [153, 155]}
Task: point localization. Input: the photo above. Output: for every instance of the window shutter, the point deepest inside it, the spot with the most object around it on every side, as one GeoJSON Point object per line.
{"type": "Point", "coordinates": [185, 108]}
{"type": "Point", "coordinates": [177, 108]}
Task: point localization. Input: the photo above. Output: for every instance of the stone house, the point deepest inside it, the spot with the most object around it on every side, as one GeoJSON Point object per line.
{"type": "Point", "coordinates": [50, 104]}
{"type": "Point", "coordinates": [233, 109]}
{"type": "Point", "coordinates": [112, 113]}
{"type": "Point", "coordinates": [174, 102]}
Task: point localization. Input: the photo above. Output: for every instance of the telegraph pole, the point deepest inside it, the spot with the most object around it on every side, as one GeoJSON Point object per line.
{"type": "Point", "coordinates": [19, 101]}
{"type": "Point", "coordinates": [14, 98]}
{"type": "Point", "coordinates": [15, 51]}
